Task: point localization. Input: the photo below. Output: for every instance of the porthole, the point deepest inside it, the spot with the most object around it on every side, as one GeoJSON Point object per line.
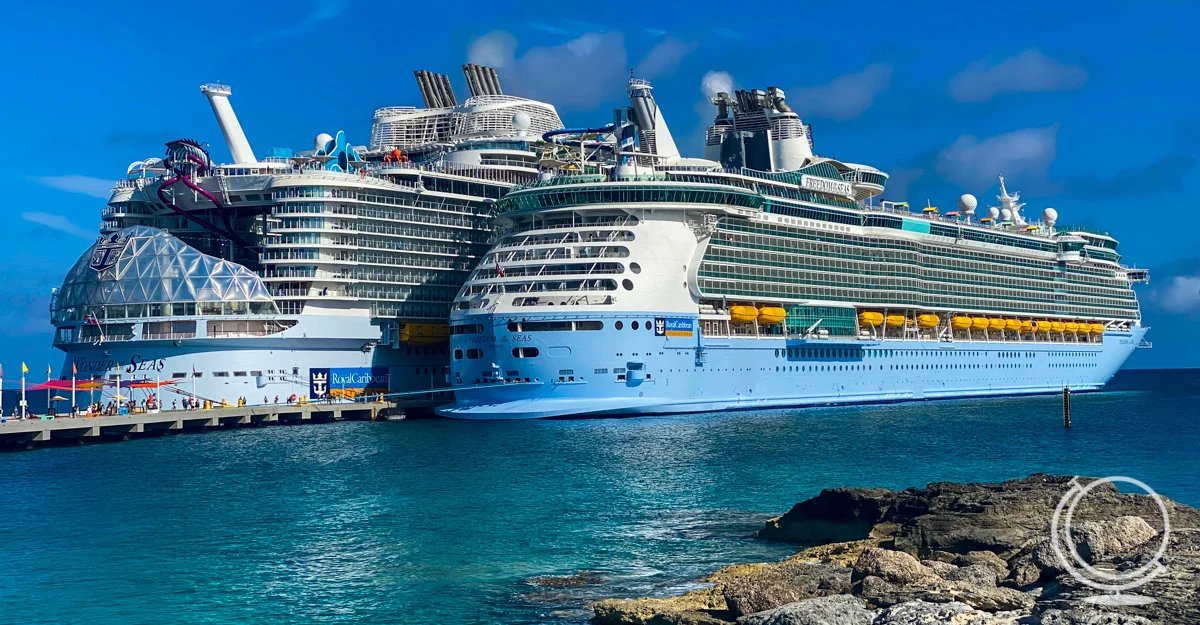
{"type": "Point", "coordinates": [635, 268]}
{"type": "Point", "coordinates": [618, 325]}
{"type": "Point", "coordinates": [634, 325]}
{"type": "Point", "coordinates": [628, 284]}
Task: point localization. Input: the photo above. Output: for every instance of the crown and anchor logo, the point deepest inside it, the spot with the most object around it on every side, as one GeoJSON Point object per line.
{"type": "Point", "coordinates": [107, 251]}
{"type": "Point", "coordinates": [319, 383]}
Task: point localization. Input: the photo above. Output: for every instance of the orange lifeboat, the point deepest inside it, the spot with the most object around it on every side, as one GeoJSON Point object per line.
{"type": "Point", "coordinates": [928, 321]}
{"type": "Point", "coordinates": [871, 318]}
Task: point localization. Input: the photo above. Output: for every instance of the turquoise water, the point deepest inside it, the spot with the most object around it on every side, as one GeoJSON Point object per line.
{"type": "Point", "coordinates": [441, 521]}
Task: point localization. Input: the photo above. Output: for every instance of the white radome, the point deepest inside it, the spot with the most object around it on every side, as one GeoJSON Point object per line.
{"type": "Point", "coordinates": [1005, 215]}
{"type": "Point", "coordinates": [967, 203]}
{"type": "Point", "coordinates": [1049, 216]}
{"type": "Point", "coordinates": [521, 121]}
{"type": "Point", "coordinates": [321, 140]}
{"type": "Point", "coordinates": [993, 212]}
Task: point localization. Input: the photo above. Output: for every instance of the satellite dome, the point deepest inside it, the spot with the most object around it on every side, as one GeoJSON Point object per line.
{"type": "Point", "coordinates": [1005, 214]}
{"type": "Point", "coordinates": [521, 121]}
{"type": "Point", "coordinates": [1050, 216]}
{"type": "Point", "coordinates": [321, 141]}
{"type": "Point", "coordinates": [967, 203]}
{"type": "Point", "coordinates": [993, 212]}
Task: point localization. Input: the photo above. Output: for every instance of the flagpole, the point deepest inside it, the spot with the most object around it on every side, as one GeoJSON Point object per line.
{"type": "Point", "coordinates": [47, 389]}
{"type": "Point", "coordinates": [72, 388]}
{"type": "Point", "coordinates": [24, 409]}
{"type": "Point", "coordinates": [1, 391]}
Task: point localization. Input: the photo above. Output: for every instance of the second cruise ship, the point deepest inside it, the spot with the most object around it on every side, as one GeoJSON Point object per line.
{"type": "Point", "coordinates": [637, 281]}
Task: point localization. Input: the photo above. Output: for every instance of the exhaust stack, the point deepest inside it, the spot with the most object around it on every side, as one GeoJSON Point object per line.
{"type": "Point", "coordinates": [239, 147]}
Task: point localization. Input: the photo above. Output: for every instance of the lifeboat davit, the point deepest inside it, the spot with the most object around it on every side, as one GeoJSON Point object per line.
{"type": "Point", "coordinates": [895, 321]}
{"type": "Point", "coordinates": [960, 323]}
{"type": "Point", "coordinates": [1012, 324]}
{"type": "Point", "coordinates": [743, 314]}
{"type": "Point", "coordinates": [771, 315]}
{"type": "Point", "coordinates": [1097, 328]}
{"type": "Point", "coordinates": [1044, 326]}
{"type": "Point", "coordinates": [424, 333]}
{"type": "Point", "coordinates": [928, 321]}
{"type": "Point", "coordinates": [979, 323]}
{"type": "Point", "coordinates": [871, 318]}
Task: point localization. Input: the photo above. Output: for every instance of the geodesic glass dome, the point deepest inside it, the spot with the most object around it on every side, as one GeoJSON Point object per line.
{"type": "Point", "coordinates": [141, 271]}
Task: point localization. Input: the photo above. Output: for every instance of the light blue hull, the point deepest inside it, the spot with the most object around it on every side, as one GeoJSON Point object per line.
{"type": "Point", "coordinates": [613, 372]}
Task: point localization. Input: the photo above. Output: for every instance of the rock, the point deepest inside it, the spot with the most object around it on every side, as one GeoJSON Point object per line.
{"type": "Point", "coordinates": [979, 575]}
{"type": "Point", "coordinates": [926, 613]}
{"type": "Point", "coordinates": [1023, 572]}
{"type": "Point", "coordinates": [574, 580]}
{"type": "Point", "coordinates": [895, 567]}
{"type": "Point", "coordinates": [1096, 541]}
{"type": "Point", "coordinates": [835, 515]}
{"type": "Point", "coordinates": [1085, 616]}
{"type": "Point", "coordinates": [831, 610]}
{"type": "Point", "coordinates": [699, 607]}
{"type": "Point", "coordinates": [942, 569]}
{"type": "Point", "coordinates": [786, 582]}
{"type": "Point", "coordinates": [983, 557]}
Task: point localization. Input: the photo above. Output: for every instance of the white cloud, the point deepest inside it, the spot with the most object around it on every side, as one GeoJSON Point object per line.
{"type": "Point", "coordinates": [95, 187]}
{"type": "Point", "coordinates": [58, 222]}
{"type": "Point", "coordinates": [1180, 295]}
{"type": "Point", "coordinates": [322, 11]}
{"type": "Point", "coordinates": [1029, 71]}
{"type": "Point", "coordinates": [971, 161]}
{"type": "Point", "coordinates": [663, 58]}
{"type": "Point", "coordinates": [574, 74]}
{"type": "Point", "coordinates": [715, 82]}
{"type": "Point", "coordinates": [846, 97]}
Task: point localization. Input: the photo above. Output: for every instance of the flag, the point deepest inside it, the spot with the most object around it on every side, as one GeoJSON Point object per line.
{"type": "Point", "coordinates": [91, 320]}
{"type": "Point", "coordinates": [499, 269]}
{"type": "Point", "coordinates": [24, 369]}
{"type": "Point", "coordinates": [74, 369]}
{"type": "Point", "coordinates": [47, 369]}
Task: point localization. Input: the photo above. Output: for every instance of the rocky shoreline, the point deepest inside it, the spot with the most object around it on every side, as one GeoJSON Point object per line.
{"type": "Point", "coordinates": [969, 554]}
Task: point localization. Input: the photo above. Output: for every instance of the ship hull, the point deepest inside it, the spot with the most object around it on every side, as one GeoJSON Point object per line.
{"type": "Point", "coordinates": [665, 375]}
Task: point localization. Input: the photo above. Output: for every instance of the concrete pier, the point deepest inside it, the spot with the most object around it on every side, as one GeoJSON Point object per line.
{"type": "Point", "coordinates": [65, 429]}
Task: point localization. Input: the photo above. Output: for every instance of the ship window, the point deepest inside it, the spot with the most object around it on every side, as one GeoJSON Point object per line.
{"type": "Point", "coordinates": [634, 325]}
{"type": "Point", "coordinates": [257, 374]}
{"type": "Point", "coordinates": [458, 354]}
{"type": "Point", "coordinates": [220, 374]}
{"type": "Point", "coordinates": [198, 374]}
{"type": "Point", "coordinates": [618, 325]}
{"type": "Point", "coordinates": [239, 374]}
{"type": "Point", "coordinates": [525, 352]}
{"type": "Point", "coordinates": [628, 284]}
{"type": "Point", "coordinates": [474, 354]}
{"type": "Point", "coordinates": [179, 374]}
{"type": "Point", "coordinates": [589, 325]}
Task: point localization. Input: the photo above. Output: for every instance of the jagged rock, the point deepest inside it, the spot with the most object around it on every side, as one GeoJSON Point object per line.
{"type": "Point", "coordinates": [699, 607]}
{"type": "Point", "coordinates": [1085, 616]}
{"type": "Point", "coordinates": [983, 557]}
{"type": "Point", "coordinates": [926, 613]}
{"type": "Point", "coordinates": [895, 567]}
{"type": "Point", "coordinates": [1096, 541]}
{"type": "Point", "coordinates": [942, 569]}
{"type": "Point", "coordinates": [980, 575]}
{"type": "Point", "coordinates": [574, 580]}
{"type": "Point", "coordinates": [831, 610]}
{"type": "Point", "coordinates": [836, 515]}
{"type": "Point", "coordinates": [783, 583]}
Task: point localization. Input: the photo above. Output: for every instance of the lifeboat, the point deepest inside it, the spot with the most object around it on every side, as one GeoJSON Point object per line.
{"type": "Point", "coordinates": [1027, 326]}
{"type": "Point", "coordinates": [423, 333]}
{"type": "Point", "coordinates": [1012, 324]}
{"type": "Point", "coordinates": [895, 321]}
{"type": "Point", "coordinates": [1072, 327]}
{"type": "Point", "coordinates": [928, 321]}
{"type": "Point", "coordinates": [995, 324]}
{"type": "Point", "coordinates": [979, 323]}
{"type": "Point", "coordinates": [871, 318]}
{"type": "Point", "coordinates": [771, 315]}
{"type": "Point", "coordinates": [1044, 326]}
{"type": "Point", "coordinates": [1058, 326]}
{"type": "Point", "coordinates": [960, 323]}
{"type": "Point", "coordinates": [743, 314]}
{"type": "Point", "coordinates": [1097, 328]}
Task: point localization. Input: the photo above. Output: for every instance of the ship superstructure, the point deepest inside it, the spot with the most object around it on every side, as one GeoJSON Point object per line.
{"type": "Point", "coordinates": [764, 275]}
{"type": "Point", "coordinates": [361, 249]}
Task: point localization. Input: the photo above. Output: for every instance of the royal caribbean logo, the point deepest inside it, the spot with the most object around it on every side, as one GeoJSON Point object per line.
{"type": "Point", "coordinates": [673, 326]}
{"type": "Point", "coordinates": [318, 383]}
{"type": "Point", "coordinates": [107, 251]}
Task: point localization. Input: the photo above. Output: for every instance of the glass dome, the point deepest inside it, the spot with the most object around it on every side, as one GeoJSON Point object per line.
{"type": "Point", "coordinates": [145, 272]}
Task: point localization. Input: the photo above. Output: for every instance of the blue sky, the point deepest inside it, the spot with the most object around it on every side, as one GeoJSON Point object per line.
{"type": "Point", "coordinates": [1086, 107]}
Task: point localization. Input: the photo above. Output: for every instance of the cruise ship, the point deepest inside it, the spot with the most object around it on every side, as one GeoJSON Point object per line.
{"type": "Point", "coordinates": [763, 275]}
{"type": "Point", "coordinates": [327, 273]}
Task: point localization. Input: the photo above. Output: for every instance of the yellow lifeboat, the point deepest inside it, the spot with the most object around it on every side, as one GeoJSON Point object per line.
{"type": "Point", "coordinates": [895, 321]}
{"type": "Point", "coordinates": [423, 333]}
{"type": "Point", "coordinates": [1097, 328]}
{"type": "Point", "coordinates": [870, 318]}
{"type": "Point", "coordinates": [995, 324]}
{"type": "Point", "coordinates": [771, 315]}
{"type": "Point", "coordinates": [1058, 326]}
{"type": "Point", "coordinates": [928, 321]}
{"type": "Point", "coordinates": [1027, 326]}
{"type": "Point", "coordinates": [743, 314]}
{"type": "Point", "coordinates": [979, 323]}
{"type": "Point", "coordinates": [1072, 327]}
{"type": "Point", "coordinates": [1012, 324]}
{"type": "Point", "coordinates": [1044, 326]}
{"type": "Point", "coordinates": [960, 323]}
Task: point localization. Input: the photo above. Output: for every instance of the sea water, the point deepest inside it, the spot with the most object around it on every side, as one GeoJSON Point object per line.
{"type": "Point", "coordinates": [443, 521]}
